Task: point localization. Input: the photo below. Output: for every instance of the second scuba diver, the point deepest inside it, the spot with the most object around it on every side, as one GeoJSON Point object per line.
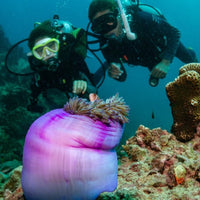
{"type": "Point", "coordinates": [154, 44]}
{"type": "Point", "coordinates": [58, 53]}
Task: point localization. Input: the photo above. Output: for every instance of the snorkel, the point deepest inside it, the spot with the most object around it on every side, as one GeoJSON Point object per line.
{"type": "Point", "coordinates": [130, 35]}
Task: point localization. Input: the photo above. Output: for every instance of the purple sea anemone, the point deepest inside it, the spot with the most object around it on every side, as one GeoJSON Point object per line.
{"type": "Point", "coordinates": [69, 153]}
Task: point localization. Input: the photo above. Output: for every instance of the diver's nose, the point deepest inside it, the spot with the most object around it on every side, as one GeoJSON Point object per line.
{"type": "Point", "coordinates": [47, 52]}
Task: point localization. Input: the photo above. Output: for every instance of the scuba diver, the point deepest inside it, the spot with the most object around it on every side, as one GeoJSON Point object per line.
{"type": "Point", "coordinates": [130, 34]}
{"type": "Point", "coordinates": [57, 57]}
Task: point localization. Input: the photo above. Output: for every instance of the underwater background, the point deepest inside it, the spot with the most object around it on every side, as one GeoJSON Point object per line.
{"type": "Point", "coordinates": [18, 17]}
{"type": "Point", "coordinates": [152, 163]}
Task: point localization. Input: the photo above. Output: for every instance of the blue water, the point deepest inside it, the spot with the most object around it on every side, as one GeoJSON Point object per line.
{"type": "Point", "coordinates": [18, 17]}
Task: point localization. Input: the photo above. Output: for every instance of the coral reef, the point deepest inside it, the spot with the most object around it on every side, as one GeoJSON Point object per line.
{"type": "Point", "coordinates": [158, 166]}
{"type": "Point", "coordinates": [155, 165]}
{"type": "Point", "coordinates": [16, 54]}
{"type": "Point", "coordinates": [5, 44]}
{"type": "Point", "coordinates": [184, 97]}
{"type": "Point", "coordinates": [13, 124]}
{"type": "Point", "coordinates": [11, 189]}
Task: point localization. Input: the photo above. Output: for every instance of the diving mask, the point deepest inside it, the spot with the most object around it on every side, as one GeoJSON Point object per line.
{"type": "Point", "coordinates": [44, 47]}
{"type": "Point", "coordinates": [105, 23]}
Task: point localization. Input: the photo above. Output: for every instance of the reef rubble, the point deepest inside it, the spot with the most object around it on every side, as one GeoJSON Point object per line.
{"type": "Point", "coordinates": [158, 166]}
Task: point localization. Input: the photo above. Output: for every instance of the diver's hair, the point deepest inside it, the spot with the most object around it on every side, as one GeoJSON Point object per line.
{"type": "Point", "coordinates": [99, 6]}
{"type": "Point", "coordinates": [42, 30]}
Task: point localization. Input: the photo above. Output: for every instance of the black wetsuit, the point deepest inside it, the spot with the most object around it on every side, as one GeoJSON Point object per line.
{"type": "Point", "coordinates": [63, 78]}
{"type": "Point", "coordinates": [156, 40]}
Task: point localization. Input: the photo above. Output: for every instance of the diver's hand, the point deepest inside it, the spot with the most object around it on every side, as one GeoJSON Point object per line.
{"type": "Point", "coordinates": [79, 87]}
{"type": "Point", "coordinates": [161, 69]}
{"type": "Point", "coordinates": [114, 70]}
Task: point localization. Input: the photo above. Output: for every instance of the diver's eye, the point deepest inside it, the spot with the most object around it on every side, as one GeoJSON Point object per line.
{"type": "Point", "coordinates": [52, 45]}
{"type": "Point", "coordinates": [39, 50]}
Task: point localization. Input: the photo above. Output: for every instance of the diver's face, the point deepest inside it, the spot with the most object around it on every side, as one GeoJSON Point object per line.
{"type": "Point", "coordinates": [116, 31]}
{"type": "Point", "coordinates": [46, 48]}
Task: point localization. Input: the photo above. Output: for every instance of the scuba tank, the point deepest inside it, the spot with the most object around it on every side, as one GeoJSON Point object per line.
{"type": "Point", "coordinates": [150, 9]}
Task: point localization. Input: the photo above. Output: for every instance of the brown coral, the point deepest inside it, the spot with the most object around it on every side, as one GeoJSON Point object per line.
{"type": "Point", "coordinates": [113, 109]}
{"type": "Point", "coordinates": [184, 96]}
